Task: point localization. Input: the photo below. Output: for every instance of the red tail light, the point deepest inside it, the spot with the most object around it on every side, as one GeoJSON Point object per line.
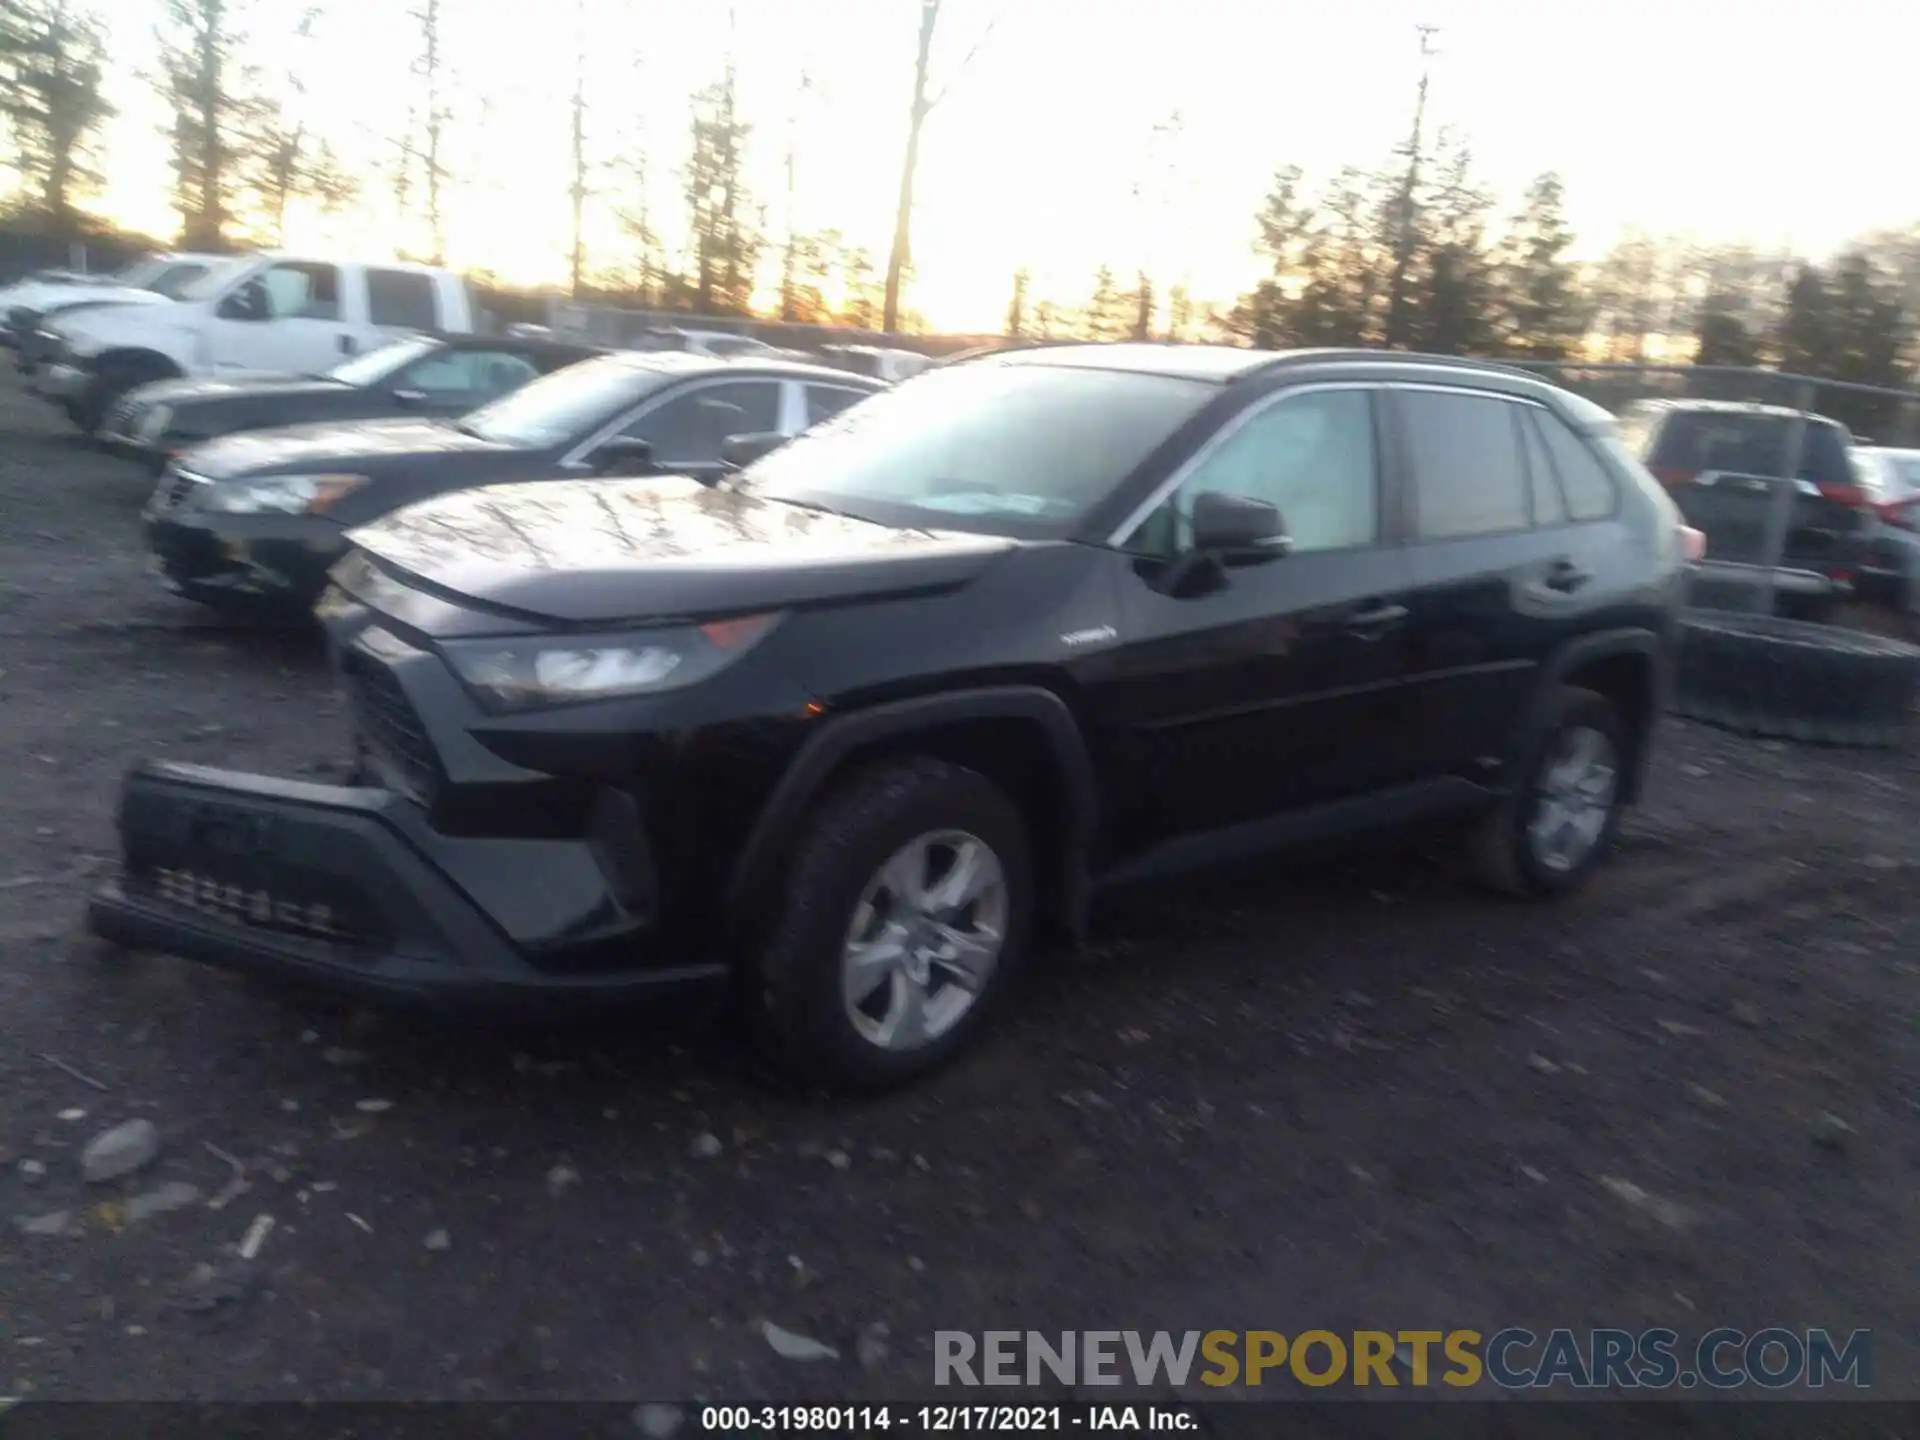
{"type": "Point", "coordinates": [1671, 475]}
{"type": "Point", "coordinates": [1693, 544]}
{"type": "Point", "coordinates": [1842, 494]}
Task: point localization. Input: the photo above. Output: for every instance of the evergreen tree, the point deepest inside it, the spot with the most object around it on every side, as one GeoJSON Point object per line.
{"type": "Point", "coordinates": [1539, 308]}
{"type": "Point", "coordinates": [52, 64]}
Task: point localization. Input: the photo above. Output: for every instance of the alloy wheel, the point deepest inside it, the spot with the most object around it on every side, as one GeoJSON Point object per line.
{"type": "Point", "coordinates": [925, 940]}
{"type": "Point", "coordinates": [1573, 799]}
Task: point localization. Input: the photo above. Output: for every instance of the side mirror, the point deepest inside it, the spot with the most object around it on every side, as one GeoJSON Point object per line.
{"type": "Point", "coordinates": [249, 302]}
{"type": "Point", "coordinates": [1237, 527]}
{"type": "Point", "coordinates": [624, 455]}
{"type": "Point", "coordinates": [739, 451]}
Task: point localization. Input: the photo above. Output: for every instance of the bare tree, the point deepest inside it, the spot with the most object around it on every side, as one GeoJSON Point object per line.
{"type": "Point", "coordinates": [579, 189]}
{"type": "Point", "coordinates": [923, 105]}
{"type": "Point", "coordinates": [427, 65]}
{"type": "Point", "coordinates": [52, 62]}
{"type": "Point", "coordinates": [1406, 228]}
{"type": "Point", "coordinates": [790, 255]}
{"type": "Point", "coordinates": [282, 158]}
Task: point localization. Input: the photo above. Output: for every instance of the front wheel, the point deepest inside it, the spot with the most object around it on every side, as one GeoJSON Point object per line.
{"type": "Point", "coordinates": [1552, 832]}
{"type": "Point", "coordinates": [94, 404]}
{"type": "Point", "coordinates": [905, 914]}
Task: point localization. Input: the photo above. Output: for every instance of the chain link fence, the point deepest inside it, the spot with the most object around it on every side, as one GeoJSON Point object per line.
{"type": "Point", "coordinates": [618, 327]}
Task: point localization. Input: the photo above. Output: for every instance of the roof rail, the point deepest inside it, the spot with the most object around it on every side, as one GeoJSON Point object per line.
{"type": "Point", "coordinates": [1287, 360]}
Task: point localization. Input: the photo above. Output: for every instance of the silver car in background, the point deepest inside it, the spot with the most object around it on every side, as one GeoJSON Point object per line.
{"type": "Point", "coordinates": [1890, 567]}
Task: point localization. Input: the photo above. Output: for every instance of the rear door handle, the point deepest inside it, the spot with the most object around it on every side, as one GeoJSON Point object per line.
{"type": "Point", "coordinates": [1373, 620]}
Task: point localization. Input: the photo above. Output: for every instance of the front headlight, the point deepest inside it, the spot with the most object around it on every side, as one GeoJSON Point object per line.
{"type": "Point", "coordinates": [154, 424]}
{"type": "Point", "coordinates": [511, 674]}
{"type": "Point", "coordinates": [279, 494]}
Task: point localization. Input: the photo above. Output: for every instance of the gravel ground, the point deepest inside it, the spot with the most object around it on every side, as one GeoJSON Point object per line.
{"type": "Point", "coordinates": [1351, 1097]}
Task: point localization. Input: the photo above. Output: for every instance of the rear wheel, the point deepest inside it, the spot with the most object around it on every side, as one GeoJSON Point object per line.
{"type": "Point", "coordinates": [905, 914]}
{"type": "Point", "coordinates": [1550, 834]}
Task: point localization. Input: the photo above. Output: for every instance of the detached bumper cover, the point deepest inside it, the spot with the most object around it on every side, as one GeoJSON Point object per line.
{"type": "Point", "coordinates": [350, 888]}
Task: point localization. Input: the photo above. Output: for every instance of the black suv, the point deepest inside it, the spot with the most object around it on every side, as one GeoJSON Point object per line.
{"type": "Point", "coordinates": [1719, 458]}
{"type": "Point", "coordinates": [847, 728]}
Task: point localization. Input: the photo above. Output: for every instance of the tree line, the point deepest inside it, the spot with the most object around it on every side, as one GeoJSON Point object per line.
{"type": "Point", "coordinates": [240, 156]}
{"type": "Point", "coordinates": [1415, 252]}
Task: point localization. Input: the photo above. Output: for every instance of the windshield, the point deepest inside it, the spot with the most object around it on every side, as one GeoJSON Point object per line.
{"type": "Point", "coordinates": [136, 274]}
{"type": "Point", "coordinates": [214, 281]}
{"type": "Point", "coordinates": [175, 278]}
{"type": "Point", "coordinates": [376, 365]}
{"type": "Point", "coordinates": [1021, 450]}
{"type": "Point", "coordinates": [568, 403]}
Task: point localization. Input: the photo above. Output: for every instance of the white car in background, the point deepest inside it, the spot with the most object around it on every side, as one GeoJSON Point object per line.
{"type": "Point", "coordinates": [274, 312]}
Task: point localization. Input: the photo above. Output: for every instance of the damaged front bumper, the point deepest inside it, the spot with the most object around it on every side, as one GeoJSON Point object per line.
{"type": "Point", "coordinates": [350, 888]}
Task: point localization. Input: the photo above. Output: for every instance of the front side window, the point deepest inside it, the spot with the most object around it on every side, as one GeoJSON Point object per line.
{"type": "Point", "coordinates": [826, 401]}
{"type": "Point", "coordinates": [1469, 478]}
{"type": "Point", "coordinates": [401, 300]}
{"type": "Point", "coordinates": [1004, 448]}
{"type": "Point", "coordinates": [300, 291]}
{"type": "Point", "coordinates": [690, 429]}
{"type": "Point", "coordinates": [1310, 456]}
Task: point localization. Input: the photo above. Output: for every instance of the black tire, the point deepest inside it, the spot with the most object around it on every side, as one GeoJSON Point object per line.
{"type": "Point", "coordinates": [794, 999]}
{"type": "Point", "coordinates": [1762, 675]}
{"type": "Point", "coordinates": [91, 408]}
{"type": "Point", "coordinates": [1502, 852]}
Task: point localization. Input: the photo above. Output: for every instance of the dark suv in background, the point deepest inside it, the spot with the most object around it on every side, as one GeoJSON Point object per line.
{"type": "Point", "coordinates": [839, 733]}
{"type": "Point", "coordinates": [1718, 460]}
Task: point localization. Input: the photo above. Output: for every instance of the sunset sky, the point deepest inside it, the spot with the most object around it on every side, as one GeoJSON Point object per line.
{"type": "Point", "coordinates": [1685, 116]}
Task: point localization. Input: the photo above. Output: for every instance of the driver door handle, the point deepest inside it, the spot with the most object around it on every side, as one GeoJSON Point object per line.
{"type": "Point", "coordinates": [1374, 618]}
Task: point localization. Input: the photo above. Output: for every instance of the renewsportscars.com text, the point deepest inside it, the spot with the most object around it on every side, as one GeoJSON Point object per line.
{"type": "Point", "coordinates": [1774, 1358]}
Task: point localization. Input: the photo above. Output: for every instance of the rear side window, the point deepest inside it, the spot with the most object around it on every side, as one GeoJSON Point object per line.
{"type": "Point", "coordinates": [401, 300]}
{"type": "Point", "coordinates": [826, 401]}
{"type": "Point", "coordinates": [1549, 506]}
{"type": "Point", "coordinates": [1583, 479]}
{"type": "Point", "coordinates": [1469, 478]}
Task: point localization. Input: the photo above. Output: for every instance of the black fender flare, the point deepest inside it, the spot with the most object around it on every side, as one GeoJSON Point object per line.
{"type": "Point", "coordinates": [1635, 641]}
{"type": "Point", "coordinates": [844, 736]}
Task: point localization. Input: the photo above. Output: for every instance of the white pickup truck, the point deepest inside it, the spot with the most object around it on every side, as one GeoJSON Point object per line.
{"type": "Point", "coordinates": [274, 312]}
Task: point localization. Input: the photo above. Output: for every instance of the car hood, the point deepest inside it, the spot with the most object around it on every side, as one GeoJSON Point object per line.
{"type": "Point", "coordinates": [264, 384]}
{"type": "Point", "coordinates": [607, 551]}
{"type": "Point", "coordinates": [45, 298]}
{"type": "Point", "coordinates": [304, 448]}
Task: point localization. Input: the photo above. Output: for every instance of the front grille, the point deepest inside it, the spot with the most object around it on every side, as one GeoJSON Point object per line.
{"type": "Point", "coordinates": [388, 724]}
{"type": "Point", "coordinates": [305, 911]}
